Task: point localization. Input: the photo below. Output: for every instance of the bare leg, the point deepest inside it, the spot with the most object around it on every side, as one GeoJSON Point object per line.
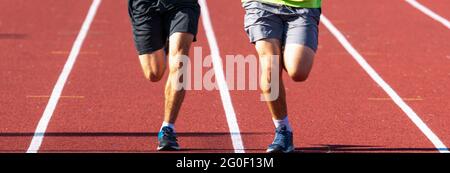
{"type": "Point", "coordinates": [179, 44]}
{"type": "Point", "coordinates": [267, 50]}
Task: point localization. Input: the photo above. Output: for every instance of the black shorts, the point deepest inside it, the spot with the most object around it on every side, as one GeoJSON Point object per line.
{"type": "Point", "coordinates": [153, 21]}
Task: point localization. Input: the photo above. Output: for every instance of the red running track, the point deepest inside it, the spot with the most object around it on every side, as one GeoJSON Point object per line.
{"type": "Point", "coordinates": [107, 105]}
{"type": "Point", "coordinates": [34, 41]}
{"type": "Point", "coordinates": [410, 51]}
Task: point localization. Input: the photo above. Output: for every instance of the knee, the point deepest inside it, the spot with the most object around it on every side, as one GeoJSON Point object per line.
{"type": "Point", "coordinates": [178, 68]}
{"type": "Point", "coordinates": [153, 65]}
{"type": "Point", "coordinates": [265, 86]}
{"type": "Point", "coordinates": [153, 76]}
{"type": "Point", "coordinates": [298, 76]}
{"type": "Point", "coordinates": [178, 64]}
{"type": "Point", "coordinates": [266, 80]}
{"type": "Point", "coordinates": [179, 61]}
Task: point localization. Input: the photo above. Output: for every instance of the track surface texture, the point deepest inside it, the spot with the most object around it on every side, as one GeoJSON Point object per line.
{"type": "Point", "coordinates": [106, 104]}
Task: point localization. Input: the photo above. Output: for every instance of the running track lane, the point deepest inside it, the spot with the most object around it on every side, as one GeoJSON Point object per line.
{"type": "Point", "coordinates": [333, 111]}
{"type": "Point", "coordinates": [34, 40]}
{"type": "Point", "coordinates": [409, 49]}
{"type": "Point", "coordinates": [117, 110]}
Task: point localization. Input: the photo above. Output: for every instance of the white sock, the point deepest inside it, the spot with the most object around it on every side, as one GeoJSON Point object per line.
{"type": "Point", "coordinates": [284, 121]}
{"type": "Point", "coordinates": [166, 124]}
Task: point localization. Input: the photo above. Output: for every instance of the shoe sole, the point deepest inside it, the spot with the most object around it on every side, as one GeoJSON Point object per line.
{"type": "Point", "coordinates": [289, 150]}
{"type": "Point", "coordinates": [168, 148]}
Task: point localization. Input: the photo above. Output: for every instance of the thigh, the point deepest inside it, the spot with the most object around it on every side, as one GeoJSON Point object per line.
{"type": "Point", "coordinates": [298, 59]}
{"type": "Point", "coordinates": [180, 43]}
{"type": "Point", "coordinates": [301, 40]}
{"type": "Point", "coordinates": [268, 47]}
{"type": "Point", "coordinates": [147, 25]}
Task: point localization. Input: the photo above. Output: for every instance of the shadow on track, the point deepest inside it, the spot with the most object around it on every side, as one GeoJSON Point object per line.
{"type": "Point", "coordinates": [336, 148]}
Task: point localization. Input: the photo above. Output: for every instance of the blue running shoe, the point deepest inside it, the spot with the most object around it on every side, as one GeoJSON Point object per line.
{"type": "Point", "coordinates": [283, 142]}
{"type": "Point", "coordinates": [167, 140]}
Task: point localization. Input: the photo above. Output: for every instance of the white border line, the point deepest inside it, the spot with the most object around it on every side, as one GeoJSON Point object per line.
{"type": "Point", "coordinates": [220, 79]}
{"type": "Point", "coordinates": [377, 78]}
{"type": "Point", "coordinates": [59, 86]}
{"type": "Point", "coordinates": [429, 12]}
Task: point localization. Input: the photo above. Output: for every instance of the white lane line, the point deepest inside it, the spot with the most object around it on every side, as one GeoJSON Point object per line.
{"type": "Point", "coordinates": [377, 78]}
{"type": "Point", "coordinates": [220, 79]}
{"type": "Point", "coordinates": [59, 86]}
{"type": "Point", "coordinates": [429, 12]}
